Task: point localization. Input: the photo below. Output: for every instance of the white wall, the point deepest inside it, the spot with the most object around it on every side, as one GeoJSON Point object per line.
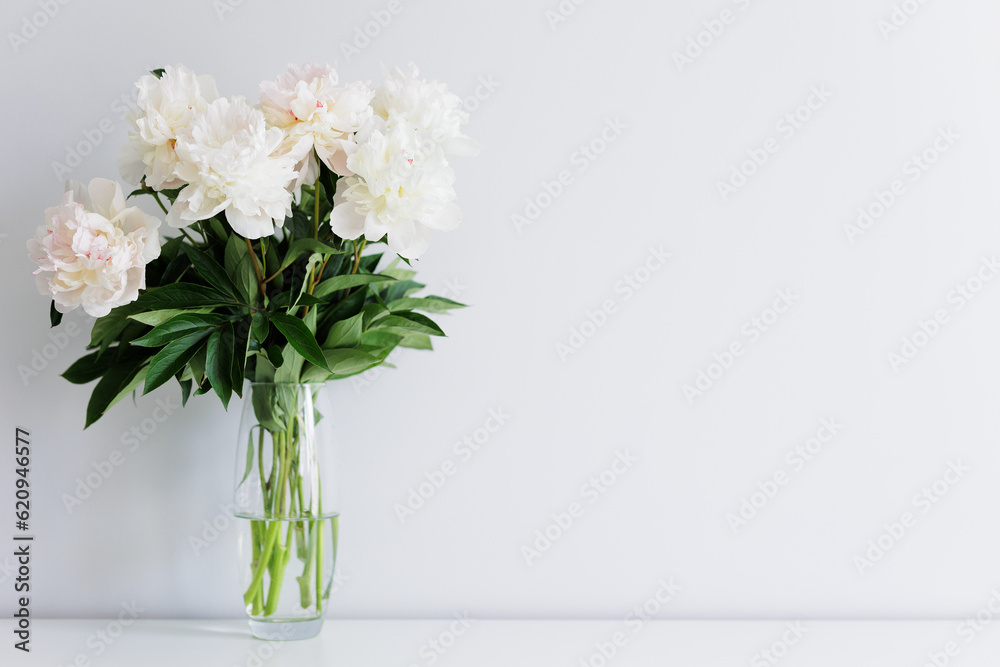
{"type": "Point", "coordinates": [654, 186]}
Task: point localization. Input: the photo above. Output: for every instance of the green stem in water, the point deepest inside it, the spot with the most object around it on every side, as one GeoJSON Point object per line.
{"type": "Point", "coordinates": [265, 559]}
{"type": "Point", "coordinates": [319, 550]}
{"type": "Point", "coordinates": [300, 532]}
{"type": "Point", "coordinates": [267, 562]}
{"type": "Point", "coordinates": [280, 560]}
{"type": "Point", "coordinates": [260, 464]}
{"type": "Point", "coordinates": [284, 500]}
{"type": "Point", "coordinates": [305, 580]}
{"type": "Point", "coordinates": [257, 532]}
{"type": "Point", "coordinates": [258, 601]}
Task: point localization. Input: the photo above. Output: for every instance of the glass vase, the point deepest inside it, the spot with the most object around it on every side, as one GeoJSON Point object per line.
{"type": "Point", "coordinates": [287, 505]}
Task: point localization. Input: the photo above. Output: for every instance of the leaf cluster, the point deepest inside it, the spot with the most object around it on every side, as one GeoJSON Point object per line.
{"type": "Point", "coordinates": [301, 306]}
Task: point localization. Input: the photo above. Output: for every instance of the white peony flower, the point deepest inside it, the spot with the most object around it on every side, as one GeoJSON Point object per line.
{"type": "Point", "coordinates": [402, 187]}
{"type": "Point", "coordinates": [231, 161]}
{"type": "Point", "coordinates": [166, 105]}
{"type": "Point", "coordinates": [428, 106]}
{"type": "Point", "coordinates": [314, 113]}
{"type": "Point", "coordinates": [93, 249]}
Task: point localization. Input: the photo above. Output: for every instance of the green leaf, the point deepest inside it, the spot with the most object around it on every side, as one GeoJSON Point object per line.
{"type": "Point", "coordinates": [173, 247]}
{"type": "Point", "coordinates": [172, 358]}
{"type": "Point", "coordinates": [417, 342]}
{"type": "Point", "coordinates": [348, 361]}
{"type": "Point", "coordinates": [185, 391]}
{"type": "Point", "coordinates": [180, 325]}
{"type": "Point", "coordinates": [108, 328]}
{"type": "Point", "coordinates": [260, 326]}
{"type": "Point", "coordinates": [158, 73]}
{"type": "Point", "coordinates": [411, 323]}
{"type": "Point", "coordinates": [309, 300]}
{"type": "Point", "coordinates": [219, 362]}
{"type": "Point", "coordinates": [369, 262]}
{"type": "Point", "coordinates": [279, 300]}
{"type": "Point", "coordinates": [236, 250]}
{"type": "Point", "coordinates": [219, 229]}
{"type": "Point", "coordinates": [329, 180]}
{"type": "Point", "coordinates": [401, 289]}
{"type": "Point", "coordinates": [55, 317]}
{"type": "Point", "coordinates": [347, 281]}
{"type": "Point", "coordinates": [172, 193]}
{"type": "Point", "coordinates": [89, 368]}
{"type": "Point", "coordinates": [131, 331]}
{"type": "Point", "coordinates": [269, 251]}
{"type": "Point", "coordinates": [301, 246]}
{"type": "Point", "coordinates": [399, 274]}
{"type": "Point", "coordinates": [335, 265]}
{"type": "Point", "coordinates": [132, 385]}
{"type": "Point", "coordinates": [266, 408]}
{"type": "Point", "coordinates": [345, 308]}
{"type": "Point", "coordinates": [197, 368]}
{"type": "Point", "coordinates": [241, 345]}
{"type": "Point", "coordinates": [345, 333]}
{"type": "Point", "coordinates": [381, 338]}
{"type": "Point", "coordinates": [291, 365]}
{"type": "Point", "coordinates": [312, 245]}
{"type": "Point", "coordinates": [299, 224]}
{"type": "Point", "coordinates": [311, 193]}
{"type": "Point", "coordinates": [341, 362]}
{"type": "Point", "coordinates": [174, 271]}
{"type": "Point", "coordinates": [314, 259]}
{"type": "Point", "coordinates": [275, 357]}
{"type": "Point", "coordinates": [112, 387]}
{"type": "Point", "coordinates": [373, 312]}
{"type": "Point", "coordinates": [155, 318]}
{"type": "Point", "coordinates": [299, 337]}
{"type": "Point", "coordinates": [430, 304]}
{"type": "Point", "coordinates": [250, 458]}
{"type": "Point", "coordinates": [213, 272]}
{"type": "Point", "coordinates": [182, 296]}
{"type": "Point", "coordinates": [239, 267]}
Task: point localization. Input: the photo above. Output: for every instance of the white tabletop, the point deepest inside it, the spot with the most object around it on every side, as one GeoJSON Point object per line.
{"type": "Point", "coordinates": [484, 643]}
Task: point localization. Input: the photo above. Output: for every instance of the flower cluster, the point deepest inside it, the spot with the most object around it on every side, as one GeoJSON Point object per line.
{"type": "Point", "coordinates": [93, 249]}
{"type": "Point", "coordinates": [277, 275]}
{"type": "Point", "coordinates": [318, 118]}
{"type": "Point", "coordinates": [226, 156]}
{"type": "Point", "coordinates": [390, 144]}
{"type": "Point", "coordinates": [217, 158]}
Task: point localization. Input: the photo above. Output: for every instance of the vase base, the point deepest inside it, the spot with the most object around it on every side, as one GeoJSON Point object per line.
{"type": "Point", "coordinates": [285, 631]}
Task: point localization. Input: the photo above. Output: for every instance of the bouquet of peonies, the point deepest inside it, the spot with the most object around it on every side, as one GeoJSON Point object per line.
{"type": "Point", "coordinates": [274, 277]}
{"type": "Point", "coordinates": [271, 276]}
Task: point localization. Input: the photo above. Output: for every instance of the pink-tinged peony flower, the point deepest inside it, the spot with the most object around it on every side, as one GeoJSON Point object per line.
{"type": "Point", "coordinates": [232, 161]}
{"type": "Point", "coordinates": [314, 113]}
{"type": "Point", "coordinates": [401, 188]}
{"type": "Point", "coordinates": [93, 249]}
{"type": "Point", "coordinates": [428, 106]}
{"type": "Point", "coordinates": [166, 105]}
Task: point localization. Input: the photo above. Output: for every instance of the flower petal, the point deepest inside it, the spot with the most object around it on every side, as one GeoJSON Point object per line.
{"type": "Point", "coordinates": [106, 197]}
{"type": "Point", "coordinates": [346, 222]}
{"type": "Point", "coordinates": [130, 165]}
{"type": "Point", "coordinates": [249, 226]}
{"type": "Point", "coordinates": [444, 219]}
